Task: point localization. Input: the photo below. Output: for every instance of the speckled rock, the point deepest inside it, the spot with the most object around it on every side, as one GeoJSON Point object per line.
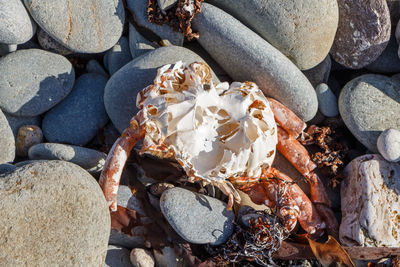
{"type": "Point", "coordinates": [79, 116]}
{"type": "Point", "coordinates": [165, 32]}
{"type": "Point", "coordinates": [370, 203]}
{"type": "Point", "coordinates": [43, 80]}
{"type": "Point", "coordinates": [50, 208]}
{"type": "Point", "coordinates": [28, 136]}
{"type": "Point", "coordinates": [363, 32]}
{"type": "Point", "coordinates": [370, 104]}
{"type": "Point", "coordinates": [303, 30]}
{"type": "Point", "coordinates": [6, 167]}
{"type": "Point", "coordinates": [327, 102]}
{"type": "Point", "coordinates": [7, 49]}
{"type": "Point", "coordinates": [117, 257]}
{"type": "Point", "coordinates": [16, 26]}
{"type": "Point", "coordinates": [50, 44]}
{"type": "Point", "coordinates": [245, 56]}
{"type": "Point", "coordinates": [139, 45]}
{"type": "Point", "coordinates": [141, 258]}
{"type": "Point", "coordinates": [123, 87]}
{"type": "Point", "coordinates": [118, 56]}
{"type": "Point", "coordinates": [320, 73]}
{"type": "Point", "coordinates": [89, 159]}
{"type": "Point", "coordinates": [93, 66]}
{"type": "Point", "coordinates": [7, 141]}
{"type": "Point", "coordinates": [389, 145]}
{"type": "Point", "coordinates": [82, 26]}
{"type": "Point", "coordinates": [197, 218]}
{"type": "Point", "coordinates": [16, 122]}
{"type": "Point", "coordinates": [388, 61]}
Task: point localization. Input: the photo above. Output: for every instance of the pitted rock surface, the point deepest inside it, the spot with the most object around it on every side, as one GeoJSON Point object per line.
{"type": "Point", "coordinates": [371, 203]}
{"type": "Point", "coordinates": [363, 32]}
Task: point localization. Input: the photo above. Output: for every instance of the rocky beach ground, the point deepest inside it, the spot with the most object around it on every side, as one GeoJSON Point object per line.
{"type": "Point", "coordinates": [70, 74]}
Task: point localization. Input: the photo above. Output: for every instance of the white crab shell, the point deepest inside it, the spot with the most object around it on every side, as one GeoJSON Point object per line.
{"type": "Point", "coordinates": [214, 132]}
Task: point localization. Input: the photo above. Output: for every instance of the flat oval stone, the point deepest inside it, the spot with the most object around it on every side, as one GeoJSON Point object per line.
{"type": "Point", "coordinates": [53, 213]}
{"type": "Point", "coordinates": [80, 115]}
{"type": "Point", "coordinates": [303, 30]}
{"type": "Point", "coordinates": [16, 26]}
{"type": "Point", "coordinates": [7, 141]}
{"type": "Point", "coordinates": [363, 32]}
{"type": "Point", "coordinates": [370, 104]}
{"type": "Point", "coordinates": [197, 218]}
{"type": "Point", "coordinates": [32, 81]}
{"type": "Point", "coordinates": [83, 26]}
{"type": "Point", "coordinates": [327, 102]}
{"type": "Point", "coordinates": [89, 159]}
{"type": "Point", "coordinates": [123, 87]}
{"type": "Point", "coordinates": [245, 56]}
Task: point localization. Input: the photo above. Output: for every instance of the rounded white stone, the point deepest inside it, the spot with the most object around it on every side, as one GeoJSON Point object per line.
{"type": "Point", "coordinates": [141, 258]}
{"type": "Point", "coordinates": [389, 145]}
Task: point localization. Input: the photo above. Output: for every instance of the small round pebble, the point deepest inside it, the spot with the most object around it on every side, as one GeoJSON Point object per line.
{"type": "Point", "coordinates": [327, 102]}
{"type": "Point", "coordinates": [197, 218]}
{"type": "Point", "coordinates": [89, 159]}
{"type": "Point", "coordinates": [389, 145]}
{"type": "Point", "coordinates": [28, 135]}
{"type": "Point", "coordinates": [141, 258]}
{"type": "Point", "coordinates": [80, 115]}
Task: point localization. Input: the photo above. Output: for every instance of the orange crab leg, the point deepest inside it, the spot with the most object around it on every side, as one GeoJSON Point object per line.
{"type": "Point", "coordinates": [115, 162]}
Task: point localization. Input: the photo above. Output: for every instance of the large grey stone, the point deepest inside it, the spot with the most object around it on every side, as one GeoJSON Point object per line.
{"type": "Point", "coordinates": [16, 26]}
{"type": "Point", "coordinates": [197, 218]}
{"type": "Point", "coordinates": [245, 56]}
{"type": "Point", "coordinates": [123, 87]}
{"type": "Point", "coordinates": [118, 56]}
{"type": "Point", "coordinates": [32, 81]}
{"type": "Point", "coordinates": [303, 30]}
{"type": "Point", "coordinates": [139, 45]}
{"type": "Point", "coordinates": [7, 140]}
{"type": "Point", "coordinates": [165, 32]}
{"type": "Point", "coordinates": [16, 122]}
{"type": "Point", "coordinates": [89, 159]}
{"type": "Point", "coordinates": [370, 104]}
{"type": "Point", "coordinates": [79, 116]}
{"type": "Point", "coordinates": [363, 32]}
{"type": "Point", "coordinates": [83, 26]}
{"type": "Point", "coordinates": [52, 214]}
{"type": "Point", "coordinates": [370, 197]}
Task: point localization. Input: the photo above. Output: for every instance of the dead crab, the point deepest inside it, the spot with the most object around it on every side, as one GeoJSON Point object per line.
{"type": "Point", "coordinates": [227, 136]}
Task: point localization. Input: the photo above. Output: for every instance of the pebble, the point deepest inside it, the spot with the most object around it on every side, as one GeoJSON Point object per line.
{"type": "Point", "coordinates": [7, 141]}
{"type": "Point", "coordinates": [123, 87]}
{"type": "Point", "coordinates": [43, 80]}
{"type": "Point", "coordinates": [7, 49]}
{"type": "Point", "coordinates": [16, 122]}
{"type": "Point", "coordinates": [245, 56]}
{"type": "Point", "coordinates": [370, 104]}
{"type": "Point", "coordinates": [327, 102]}
{"type": "Point", "coordinates": [388, 61]}
{"type": "Point", "coordinates": [362, 34]}
{"type": "Point", "coordinates": [93, 66]}
{"type": "Point", "coordinates": [89, 159]}
{"type": "Point", "coordinates": [117, 257]}
{"type": "Point", "coordinates": [28, 136]}
{"type": "Point", "coordinates": [370, 203]}
{"type": "Point", "coordinates": [118, 56]}
{"type": "Point", "coordinates": [197, 218]}
{"type": "Point", "coordinates": [16, 26]}
{"type": "Point", "coordinates": [6, 167]}
{"type": "Point", "coordinates": [80, 115]}
{"type": "Point", "coordinates": [51, 45]}
{"type": "Point", "coordinates": [139, 45]}
{"type": "Point", "coordinates": [141, 258]}
{"type": "Point", "coordinates": [303, 30]}
{"type": "Point", "coordinates": [165, 32]}
{"type": "Point", "coordinates": [320, 73]}
{"type": "Point", "coordinates": [54, 213]}
{"type": "Point", "coordinates": [82, 26]}
{"type": "Point", "coordinates": [389, 145]}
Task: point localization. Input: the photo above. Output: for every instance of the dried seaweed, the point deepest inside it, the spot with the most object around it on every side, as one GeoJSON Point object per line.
{"type": "Point", "coordinates": [179, 17]}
